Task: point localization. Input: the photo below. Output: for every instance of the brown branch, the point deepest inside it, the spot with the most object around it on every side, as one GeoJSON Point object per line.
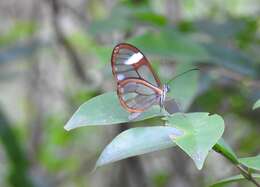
{"type": "Point", "coordinates": [72, 54]}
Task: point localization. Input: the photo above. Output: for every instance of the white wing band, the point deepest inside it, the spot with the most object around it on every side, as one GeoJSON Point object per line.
{"type": "Point", "coordinates": [134, 58]}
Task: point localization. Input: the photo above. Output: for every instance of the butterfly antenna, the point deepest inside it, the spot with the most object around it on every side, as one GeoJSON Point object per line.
{"type": "Point", "coordinates": [194, 69]}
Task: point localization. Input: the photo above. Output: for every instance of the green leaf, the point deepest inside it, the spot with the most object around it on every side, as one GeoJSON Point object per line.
{"type": "Point", "coordinates": [235, 178]}
{"type": "Point", "coordinates": [251, 162]}
{"type": "Point", "coordinates": [257, 104]}
{"type": "Point", "coordinates": [137, 141]}
{"type": "Point", "coordinates": [105, 109]}
{"type": "Point", "coordinates": [225, 30]}
{"type": "Point", "coordinates": [201, 133]}
{"type": "Point", "coordinates": [151, 17]}
{"type": "Point", "coordinates": [114, 22]}
{"type": "Point", "coordinates": [184, 88]}
{"type": "Point", "coordinates": [169, 44]}
{"type": "Point", "coordinates": [232, 59]}
{"type": "Point", "coordinates": [223, 148]}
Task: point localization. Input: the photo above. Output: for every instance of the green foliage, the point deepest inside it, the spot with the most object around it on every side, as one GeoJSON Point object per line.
{"type": "Point", "coordinates": [231, 59]}
{"type": "Point", "coordinates": [104, 110]}
{"type": "Point", "coordinates": [151, 17]}
{"type": "Point", "coordinates": [138, 141]}
{"type": "Point", "coordinates": [251, 162]}
{"type": "Point", "coordinates": [200, 133]}
{"type": "Point", "coordinates": [133, 14]}
{"type": "Point", "coordinates": [160, 179]}
{"type": "Point", "coordinates": [232, 179]}
{"type": "Point", "coordinates": [224, 30]}
{"type": "Point", "coordinates": [114, 22]}
{"type": "Point", "coordinates": [257, 104]}
{"type": "Point", "coordinates": [214, 36]}
{"type": "Point", "coordinates": [82, 95]}
{"type": "Point", "coordinates": [195, 133]}
{"type": "Point", "coordinates": [55, 140]}
{"type": "Point", "coordinates": [169, 44]}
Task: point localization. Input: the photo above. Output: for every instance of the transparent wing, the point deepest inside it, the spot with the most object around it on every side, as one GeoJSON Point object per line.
{"type": "Point", "coordinates": [129, 62]}
{"type": "Point", "coordinates": [136, 96]}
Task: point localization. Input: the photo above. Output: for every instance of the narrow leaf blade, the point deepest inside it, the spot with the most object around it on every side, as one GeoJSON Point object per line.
{"type": "Point", "coordinates": [137, 141]}
{"type": "Point", "coordinates": [235, 178]}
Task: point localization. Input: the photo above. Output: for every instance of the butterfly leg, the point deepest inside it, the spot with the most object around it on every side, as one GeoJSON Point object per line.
{"type": "Point", "coordinates": [134, 115]}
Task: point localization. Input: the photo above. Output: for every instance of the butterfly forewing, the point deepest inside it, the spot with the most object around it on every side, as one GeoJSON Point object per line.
{"type": "Point", "coordinates": [129, 62]}
{"type": "Point", "coordinates": [138, 87]}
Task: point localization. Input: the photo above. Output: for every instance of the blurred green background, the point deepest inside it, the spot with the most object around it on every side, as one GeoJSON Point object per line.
{"type": "Point", "coordinates": [55, 55]}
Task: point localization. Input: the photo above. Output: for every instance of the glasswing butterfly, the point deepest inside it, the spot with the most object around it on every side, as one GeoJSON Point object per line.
{"type": "Point", "coordinates": [138, 87]}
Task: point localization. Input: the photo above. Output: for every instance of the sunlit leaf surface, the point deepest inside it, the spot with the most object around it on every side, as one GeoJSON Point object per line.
{"type": "Point", "coordinates": [201, 133]}
{"type": "Point", "coordinates": [257, 104]}
{"type": "Point", "coordinates": [138, 141]}
{"type": "Point", "coordinates": [104, 109]}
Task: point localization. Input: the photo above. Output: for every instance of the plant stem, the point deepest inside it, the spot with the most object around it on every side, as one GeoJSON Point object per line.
{"type": "Point", "coordinates": [240, 167]}
{"type": "Point", "coordinates": [247, 175]}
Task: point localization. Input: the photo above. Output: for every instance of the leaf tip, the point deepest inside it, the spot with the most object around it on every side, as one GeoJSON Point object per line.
{"type": "Point", "coordinates": [199, 166]}
{"type": "Point", "coordinates": [68, 126]}
{"type": "Point", "coordinates": [94, 169]}
{"type": "Point", "coordinates": [256, 105]}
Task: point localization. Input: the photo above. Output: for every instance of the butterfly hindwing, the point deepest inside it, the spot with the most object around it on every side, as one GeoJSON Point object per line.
{"type": "Point", "coordinates": [136, 95]}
